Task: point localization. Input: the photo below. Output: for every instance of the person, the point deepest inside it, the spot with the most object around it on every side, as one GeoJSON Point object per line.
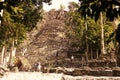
{"type": "Point", "coordinates": [39, 67]}
{"type": "Point", "coordinates": [72, 58]}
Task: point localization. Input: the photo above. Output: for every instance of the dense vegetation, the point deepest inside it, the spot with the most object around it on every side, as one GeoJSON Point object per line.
{"type": "Point", "coordinates": [94, 29]}
{"type": "Point", "coordinates": [20, 16]}
{"type": "Point", "coordinates": [96, 9]}
{"type": "Point", "coordinates": [84, 28]}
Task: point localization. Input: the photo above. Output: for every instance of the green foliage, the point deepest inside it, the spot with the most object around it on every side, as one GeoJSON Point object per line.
{"type": "Point", "coordinates": [78, 33]}
{"type": "Point", "coordinates": [31, 17]}
{"type": "Point", "coordinates": [11, 30]}
{"type": "Point", "coordinates": [93, 34]}
{"type": "Point", "coordinates": [109, 40]}
{"type": "Point", "coordinates": [20, 16]}
{"type": "Point", "coordinates": [93, 8]}
{"type": "Point", "coordinates": [109, 9]}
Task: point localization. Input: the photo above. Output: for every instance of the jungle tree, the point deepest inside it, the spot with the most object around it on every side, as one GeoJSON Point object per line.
{"type": "Point", "coordinates": [95, 9]}
{"type": "Point", "coordinates": [85, 39]}
{"type": "Point", "coordinates": [19, 17]}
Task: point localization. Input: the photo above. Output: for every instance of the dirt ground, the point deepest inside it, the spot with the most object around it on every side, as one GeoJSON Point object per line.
{"type": "Point", "coordinates": [50, 76]}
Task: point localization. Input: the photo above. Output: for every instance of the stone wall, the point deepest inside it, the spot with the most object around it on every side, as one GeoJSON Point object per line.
{"type": "Point", "coordinates": [85, 71]}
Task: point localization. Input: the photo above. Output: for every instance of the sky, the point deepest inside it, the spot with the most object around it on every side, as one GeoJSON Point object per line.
{"type": "Point", "coordinates": [56, 4]}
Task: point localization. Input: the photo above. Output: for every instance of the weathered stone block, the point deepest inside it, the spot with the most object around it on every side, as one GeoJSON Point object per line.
{"type": "Point", "coordinates": [102, 63]}
{"type": "Point", "coordinates": [116, 71]}
{"type": "Point", "coordinates": [77, 72]}
{"type": "Point", "coordinates": [101, 73]}
{"type": "Point", "coordinates": [25, 64]}
{"type": "Point", "coordinates": [52, 70]}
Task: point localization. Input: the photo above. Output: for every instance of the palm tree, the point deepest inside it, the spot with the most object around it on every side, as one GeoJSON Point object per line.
{"type": "Point", "coordinates": [95, 9]}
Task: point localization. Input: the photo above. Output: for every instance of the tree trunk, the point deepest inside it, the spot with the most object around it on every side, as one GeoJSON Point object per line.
{"type": "Point", "coordinates": [97, 54]}
{"type": "Point", "coordinates": [116, 22]}
{"type": "Point", "coordinates": [91, 54]}
{"type": "Point", "coordinates": [13, 51]}
{"type": "Point", "coordinates": [102, 35]}
{"type": "Point", "coordinates": [1, 14]}
{"type": "Point", "coordinates": [86, 43]}
{"type": "Point", "coordinates": [2, 54]}
{"type": "Point", "coordinates": [118, 54]}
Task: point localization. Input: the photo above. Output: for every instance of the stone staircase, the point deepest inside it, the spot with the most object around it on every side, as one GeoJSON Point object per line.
{"type": "Point", "coordinates": [91, 68]}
